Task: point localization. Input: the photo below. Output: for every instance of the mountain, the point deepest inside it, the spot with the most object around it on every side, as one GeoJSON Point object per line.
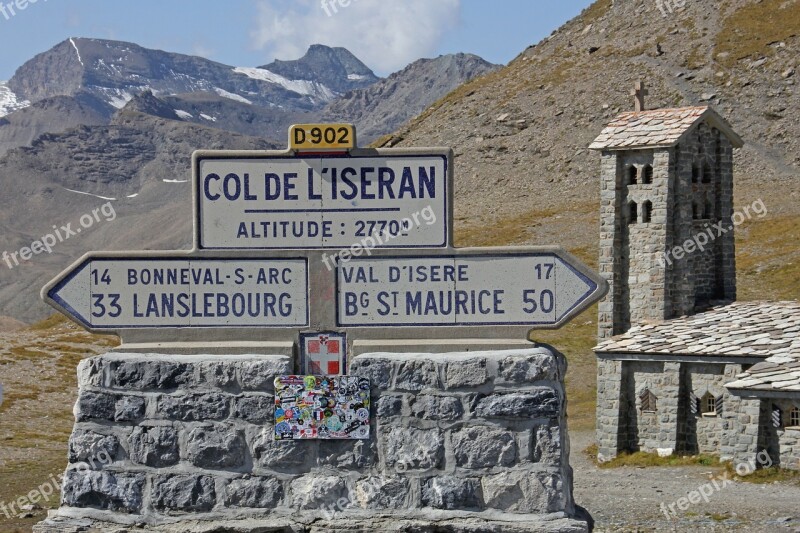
{"type": "Point", "coordinates": [523, 172]}
{"type": "Point", "coordinates": [139, 164]}
{"type": "Point", "coordinates": [389, 103]}
{"type": "Point", "coordinates": [91, 122]}
{"type": "Point", "coordinates": [336, 68]}
{"type": "Point", "coordinates": [114, 71]}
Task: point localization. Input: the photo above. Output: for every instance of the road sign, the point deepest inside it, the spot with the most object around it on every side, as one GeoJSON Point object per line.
{"type": "Point", "coordinates": [118, 293]}
{"type": "Point", "coordinates": [249, 200]}
{"type": "Point", "coordinates": [322, 137]}
{"type": "Point", "coordinates": [489, 288]}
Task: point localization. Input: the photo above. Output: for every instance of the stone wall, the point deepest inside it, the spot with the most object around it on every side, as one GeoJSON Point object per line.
{"type": "Point", "coordinates": [459, 441]}
{"type": "Point", "coordinates": [623, 426]}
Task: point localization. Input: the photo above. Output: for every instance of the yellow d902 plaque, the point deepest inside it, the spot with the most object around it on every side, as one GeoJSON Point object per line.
{"type": "Point", "coordinates": [322, 137]}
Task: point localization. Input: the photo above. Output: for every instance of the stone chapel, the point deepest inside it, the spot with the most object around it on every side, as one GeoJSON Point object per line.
{"type": "Point", "coordinates": [681, 366]}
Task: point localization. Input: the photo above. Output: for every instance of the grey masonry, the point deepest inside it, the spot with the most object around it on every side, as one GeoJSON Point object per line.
{"type": "Point", "coordinates": [158, 440]}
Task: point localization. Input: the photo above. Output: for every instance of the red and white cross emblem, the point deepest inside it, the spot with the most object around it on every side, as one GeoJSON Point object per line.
{"type": "Point", "coordinates": [324, 354]}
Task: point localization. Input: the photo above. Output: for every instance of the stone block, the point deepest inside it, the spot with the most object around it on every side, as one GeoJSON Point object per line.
{"type": "Point", "coordinates": [194, 407]}
{"type": "Point", "coordinates": [389, 405]}
{"type": "Point", "coordinates": [150, 375]}
{"type": "Point", "coordinates": [452, 493]}
{"type": "Point", "coordinates": [429, 407]}
{"type": "Point", "coordinates": [379, 371]}
{"type": "Point", "coordinates": [535, 403]}
{"type": "Point", "coordinates": [95, 405]}
{"type": "Point", "coordinates": [216, 446]}
{"type": "Point", "coordinates": [484, 447]}
{"type": "Point", "coordinates": [155, 446]}
{"type": "Point", "coordinates": [411, 448]}
{"type": "Point", "coordinates": [260, 375]}
{"type": "Point", "coordinates": [547, 445]}
{"type": "Point", "coordinates": [129, 408]}
{"type": "Point", "coordinates": [92, 448]}
{"type": "Point", "coordinates": [524, 492]}
{"type": "Point", "coordinates": [417, 375]}
{"type": "Point", "coordinates": [256, 409]}
{"type": "Point", "coordinates": [527, 368]}
{"type": "Point", "coordinates": [221, 374]}
{"type": "Point", "coordinates": [469, 373]}
{"type": "Point", "coordinates": [269, 453]}
{"type": "Point", "coordinates": [315, 491]}
{"type": "Point", "coordinates": [255, 492]}
{"type": "Point", "coordinates": [378, 492]}
{"type": "Point", "coordinates": [103, 490]}
{"type": "Point", "coordinates": [347, 453]}
{"type": "Point", "coordinates": [91, 372]}
{"type": "Point", "coordinates": [189, 493]}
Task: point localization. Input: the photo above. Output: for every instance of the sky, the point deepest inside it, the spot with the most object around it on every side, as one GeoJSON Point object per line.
{"type": "Point", "coordinates": [385, 34]}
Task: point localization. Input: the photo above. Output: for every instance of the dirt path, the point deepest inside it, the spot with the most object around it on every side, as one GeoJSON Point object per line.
{"type": "Point", "coordinates": [629, 499]}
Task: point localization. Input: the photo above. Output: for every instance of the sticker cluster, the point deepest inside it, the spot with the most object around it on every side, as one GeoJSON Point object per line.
{"type": "Point", "coordinates": [321, 407]}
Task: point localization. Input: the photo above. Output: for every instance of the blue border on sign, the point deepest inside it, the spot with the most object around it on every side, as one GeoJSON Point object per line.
{"type": "Point", "coordinates": [198, 202]}
{"type": "Point", "coordinates": [53, 293]}
{"type": "Point", "coordinates": [583, 277]}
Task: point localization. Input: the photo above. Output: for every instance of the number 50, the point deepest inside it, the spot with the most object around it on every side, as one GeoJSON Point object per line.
{"type": "Point", "coordinates": [546, 301]}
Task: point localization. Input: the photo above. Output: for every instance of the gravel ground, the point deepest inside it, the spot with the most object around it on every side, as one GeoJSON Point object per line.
{"type": "Point", "coordinates": [629, 498]}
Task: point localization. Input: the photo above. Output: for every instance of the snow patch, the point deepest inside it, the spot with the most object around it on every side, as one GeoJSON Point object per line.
{"type": "Point", "coordinates": [174, 181]}
{"type": "Point", "coordinates": [304, 87]}
{"type": "Point", "coordinates": [231, 96]}
{"type": "Point", "coordinates": [132, 195]}
{"type": "Point", "coordinates": [90, 194]}
{"type": "Point", "coordinates": [9, 102]}
{"type": "Point", "coordinates": [75, 46]}
{"type": "Point", "coordinates": [183, 114]}
{"type": "Point", "coordinates": [356, 77]}
{"type": "Point", "coordinates": [206, 117]}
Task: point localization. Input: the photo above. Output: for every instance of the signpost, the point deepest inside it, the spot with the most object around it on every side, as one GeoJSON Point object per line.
{"type": "Point", "coordinates": [327, 246]}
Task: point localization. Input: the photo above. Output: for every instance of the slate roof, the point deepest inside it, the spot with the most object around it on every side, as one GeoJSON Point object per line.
{"type": "Point", "coordinates": [659, 128]}
{"type": "Point", "coordinates": [777, 373]}
{"type": "Point", "coordinates": [740, 329]}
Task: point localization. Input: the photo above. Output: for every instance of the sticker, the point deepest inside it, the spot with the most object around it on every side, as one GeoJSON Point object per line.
{"type": "Point", "coordinates": [323, 354]}
{"type": "Point", "coordinates": [315, 407]}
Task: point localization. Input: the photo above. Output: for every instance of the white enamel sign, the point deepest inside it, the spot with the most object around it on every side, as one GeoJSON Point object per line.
{"type": "Point", "coordinates": [526, 289]}
{"type": "Point", "coordinates": [314, 202]}
{"type": "Point", "coordinates": [158, 292]}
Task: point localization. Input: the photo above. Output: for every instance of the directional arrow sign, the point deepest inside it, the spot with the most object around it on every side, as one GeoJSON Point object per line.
{"type": "Point", "coordinates": [465, 288]}
{"type": "Point", "coordinates": [117, 293]}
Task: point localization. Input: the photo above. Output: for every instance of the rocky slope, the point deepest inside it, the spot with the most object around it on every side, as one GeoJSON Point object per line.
{"type": "Point", "coordinates": [391, 102]}
{"type": "Point", "coordinates": [523, 171]}
{"type": "Point", "coordinates": [140, 164]}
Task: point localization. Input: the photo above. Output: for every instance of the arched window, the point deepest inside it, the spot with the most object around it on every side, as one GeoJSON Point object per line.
{"type": "Point", "coordinates": [710, 405]}
{"type": "Point", "coordinates": [695, 173]}
{"type": "Point", "coordinates": [648, 401]}
{"type": "Point", "coordinates": [633, 213]}
{"type": "Point", "coordinates": [647, 211]}
{"type": "Point", "coordinates": [647, 174]}
{"type": "Point", "coordinates": [633, 175]}
{"type": "Point", "coordinates": [706, 173]}
{"type": "Point", "coordinates": [794, 417]}
{"type": "Point", "coordinates": [695, 211]}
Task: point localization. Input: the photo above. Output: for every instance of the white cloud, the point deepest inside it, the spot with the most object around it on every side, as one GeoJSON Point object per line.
{"type": "Point", "coordinates": [385, 34]}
